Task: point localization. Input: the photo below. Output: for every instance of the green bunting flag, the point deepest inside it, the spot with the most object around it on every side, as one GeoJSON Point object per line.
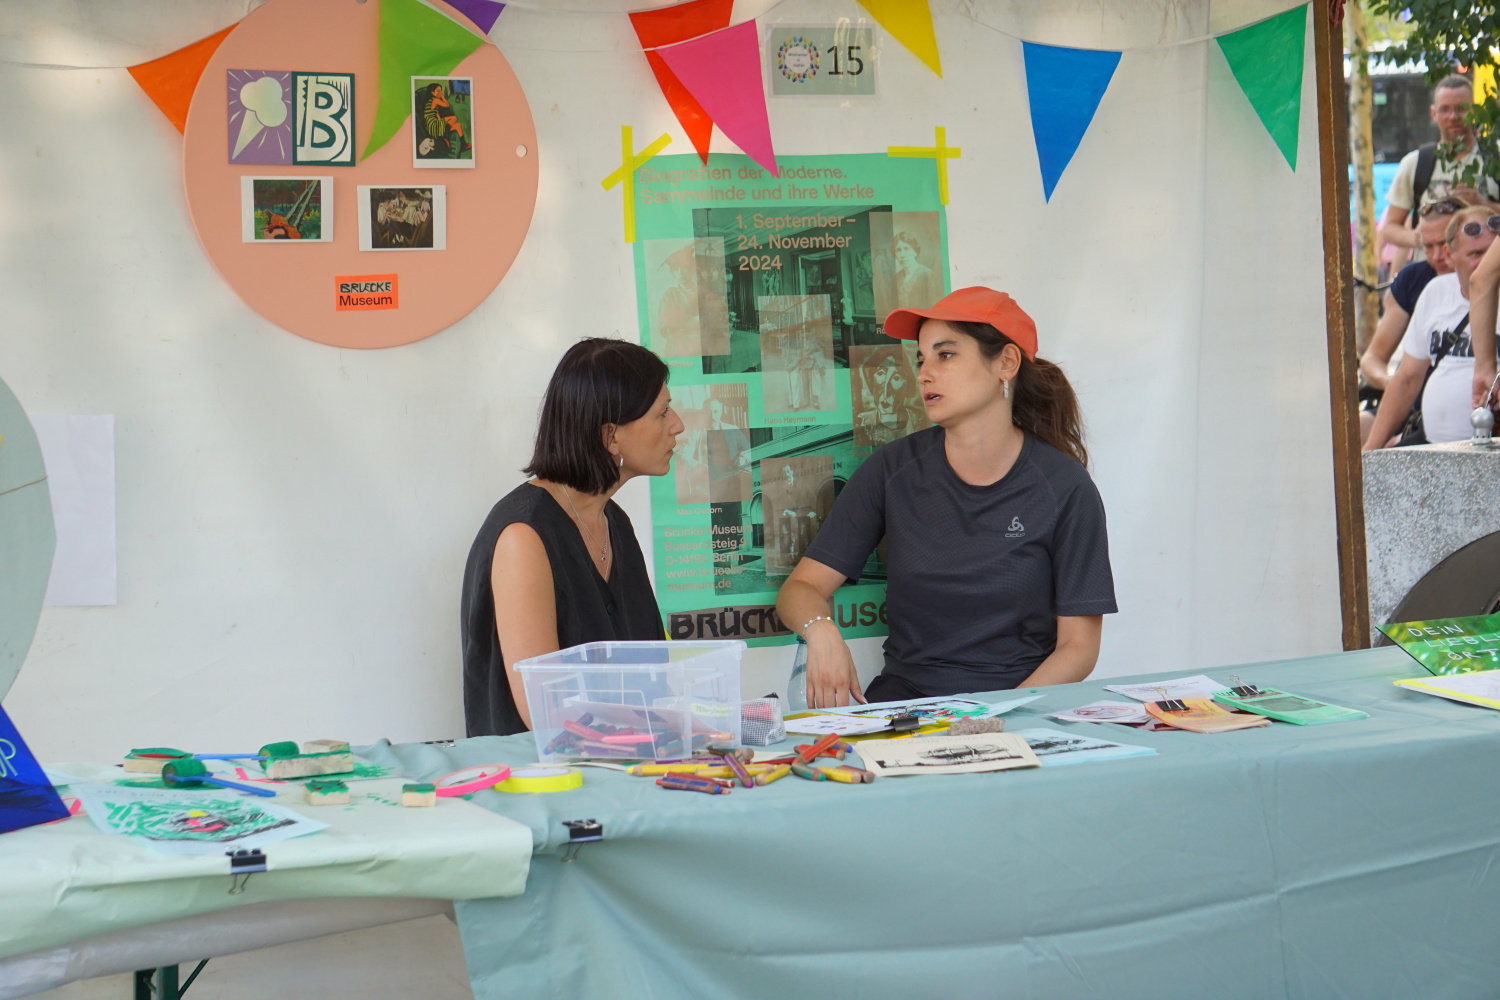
{"type": "Point", "coordinates": [415, 40]}
{"type": "Point", "coordinates": [1266, 59]}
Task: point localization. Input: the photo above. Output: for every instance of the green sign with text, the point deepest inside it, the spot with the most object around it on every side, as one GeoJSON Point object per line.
{"type": "Point", "coordinates": [1450, 645]}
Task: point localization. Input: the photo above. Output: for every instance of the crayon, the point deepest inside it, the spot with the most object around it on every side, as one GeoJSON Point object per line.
{"type": "Point", "coordinates": [774, 774]}
{"type": "Point", "coordinates": [578, 729]}
{"type": "Point", "coordinates": [846, 747]}
{"type": "Point", "coordinates": [807, 753]}
{"type": "Point", "coordinates": [859, 772]}
{"type": "Point", "coordinates": [839, 774]}
{"type": "Point", "coordinates": [679, 785]}
{"type": "Point", "coordinates": [810, 773]}
{"type": "Point", "coordinates": [698, 776]}
{"type": "Point", "coordinates": [738, 767]}
{"type": "Point", "coordinates": [775, 761]}
{"type": "Point", "coordinates": [724, 771]}
{"type": "Point", "coordinates": [629, 739]}
{"type": "Point", "coordinates": [664, 768]}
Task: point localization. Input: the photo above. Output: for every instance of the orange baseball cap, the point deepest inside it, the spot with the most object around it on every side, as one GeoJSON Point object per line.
{"type": "Point", "coordinates": [970, 305]}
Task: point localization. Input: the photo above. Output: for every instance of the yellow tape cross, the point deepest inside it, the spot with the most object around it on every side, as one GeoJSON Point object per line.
{"type": "Point", "coordinates": [625, 173]}
{"type": "Point", "coordinates": [939, 151]}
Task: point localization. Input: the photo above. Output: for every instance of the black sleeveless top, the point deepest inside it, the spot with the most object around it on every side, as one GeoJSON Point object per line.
{"type": "Point", "coordinates": [589, 608]}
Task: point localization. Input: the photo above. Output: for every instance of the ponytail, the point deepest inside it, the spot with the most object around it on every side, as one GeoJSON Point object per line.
{"type": "Point", "coordinates": [1042, 401]}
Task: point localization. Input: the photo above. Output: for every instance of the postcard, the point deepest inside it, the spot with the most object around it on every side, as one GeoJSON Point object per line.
{"type": "Point", "coordinates": [947, 754]}
{"type": "Point", "coordinates": [844, 725]}
{"type": "Point", "coordinates": [403, 218]}
{"type": "Point", "coordinates": [1125, 712]}
{"type": "Point", "coordinates": [1055, 747]}
{"type": "Point", "coordinates": [1197, 686]}
{"type": "Point", "coordinates": [442, 121]}
{"type": "Point", "coordinates": [294, 209]}
{"type": "Point", "coordinates": [259, 110]}
{"type": "Point", "coordinates": [323, 119]}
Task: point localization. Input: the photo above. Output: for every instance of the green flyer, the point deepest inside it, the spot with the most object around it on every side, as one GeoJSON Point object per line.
{"type": "Point", "coordinates": [766, 295]}
{"type": "Point", "coordinates": [1450, 645]}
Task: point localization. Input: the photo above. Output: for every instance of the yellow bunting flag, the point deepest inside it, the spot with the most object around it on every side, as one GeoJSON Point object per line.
{"type": "Point", "coordinates": [910, 23]}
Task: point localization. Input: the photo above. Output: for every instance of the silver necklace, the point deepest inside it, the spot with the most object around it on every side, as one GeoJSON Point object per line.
{"type": "Point", "coordinates": [603, 549]}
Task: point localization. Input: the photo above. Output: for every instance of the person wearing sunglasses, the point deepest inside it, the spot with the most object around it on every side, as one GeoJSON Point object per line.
{"type": "Point", "coordinates": [1401, 298]}
{"type": "Point", "coordinates": [1437, 363]}
{"type": "Point", "coordinates": [1424, 176]}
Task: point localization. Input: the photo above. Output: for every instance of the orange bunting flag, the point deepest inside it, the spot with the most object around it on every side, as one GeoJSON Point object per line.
{"type": "Point", "coordinates": [171, 79]}
{"type": "Point", "coordinates": [668, 26]}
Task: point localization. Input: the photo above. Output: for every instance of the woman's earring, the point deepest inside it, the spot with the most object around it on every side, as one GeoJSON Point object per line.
{"type": "Point", "coordinates": [1005, 387]}
{"type": "Point", "coordinates": [622, 461]}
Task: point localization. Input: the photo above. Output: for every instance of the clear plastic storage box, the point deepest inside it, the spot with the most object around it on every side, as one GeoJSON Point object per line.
{"type": "Point", "coordinates": [649, 700]}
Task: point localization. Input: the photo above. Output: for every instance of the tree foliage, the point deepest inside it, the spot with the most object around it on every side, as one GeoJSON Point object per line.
{"type": "Point", "coordinates": [1448, 36]}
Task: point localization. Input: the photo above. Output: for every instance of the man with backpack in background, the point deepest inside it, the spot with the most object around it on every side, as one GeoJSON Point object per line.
{"type": "Point", "coordinates": [1424, 176]}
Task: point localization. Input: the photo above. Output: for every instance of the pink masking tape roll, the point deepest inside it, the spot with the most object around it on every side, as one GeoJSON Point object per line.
{"type": "Point", "coordinates": [471, 780]}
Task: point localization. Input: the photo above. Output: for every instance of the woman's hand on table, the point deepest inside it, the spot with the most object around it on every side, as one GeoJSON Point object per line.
{"type": "Point", "coordinates": [832, 680]}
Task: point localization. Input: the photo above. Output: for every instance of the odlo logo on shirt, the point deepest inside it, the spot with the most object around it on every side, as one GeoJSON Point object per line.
{"type": "Point", "coordinates": [1015, 529]}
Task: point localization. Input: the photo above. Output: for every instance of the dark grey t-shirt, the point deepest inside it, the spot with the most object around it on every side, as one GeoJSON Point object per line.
{"type": "Point", "coordinates": [977, 574]}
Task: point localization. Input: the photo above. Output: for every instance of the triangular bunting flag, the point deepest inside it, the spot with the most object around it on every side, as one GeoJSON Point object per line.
{"type": "Point", "coordinates": [1266, 59]}
{"type": "Point", "coordinates": [171, 80]}
{"type": "Point", "coordinates": [1064, 87]}
{"type": "Point", "coordinates": [668, 26]}
{"type": "Point", "coordinates": [415, 40]}
{"type": "Point", "coordinates": [722, 72]}
{"type": "Point", "coordinates": [910, 23]}
{"type": "Point", "coordinates": [482, 12]}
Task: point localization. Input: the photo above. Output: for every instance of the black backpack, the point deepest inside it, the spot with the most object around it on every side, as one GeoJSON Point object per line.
{"type": "Point", "coordinates": [1426, 161]}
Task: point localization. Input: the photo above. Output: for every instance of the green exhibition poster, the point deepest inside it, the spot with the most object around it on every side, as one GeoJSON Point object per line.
{"type": "Point", "coordinates": [1450, 645]}
{"type": "Point", "coordinates": [766, 297]}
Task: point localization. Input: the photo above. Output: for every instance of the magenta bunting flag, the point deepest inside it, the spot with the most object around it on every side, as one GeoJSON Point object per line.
{"type": "Point", "coordinates": [722, 72]}
{"type": "Point", "coordinates": [482, 12]}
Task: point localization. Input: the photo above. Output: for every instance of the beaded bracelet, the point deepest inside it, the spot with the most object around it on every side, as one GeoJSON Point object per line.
{"type": "Point", "coordinates": [813, 621]}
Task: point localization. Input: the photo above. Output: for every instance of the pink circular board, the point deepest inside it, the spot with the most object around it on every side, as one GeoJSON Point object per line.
{"type": "Point", "coordinates": [296, 284]}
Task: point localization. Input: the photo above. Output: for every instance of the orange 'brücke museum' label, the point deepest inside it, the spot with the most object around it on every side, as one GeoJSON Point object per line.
{"type": "Point", "coordinates": [365, 291]}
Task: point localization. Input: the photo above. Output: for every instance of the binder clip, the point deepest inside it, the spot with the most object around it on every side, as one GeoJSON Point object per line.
{"type": "Point", "coordinates": [580, 832]}
{"type": "Point", "coordinates": [1172, 705]}
{"type": "Point", "coordinates": [1240, 690]}
{"type": "Point", "coordinates": [445, 744]}
{"type": "Point", "coordinates": [243, 864]}
{"type": "Point", "coordinates": [904, 723]}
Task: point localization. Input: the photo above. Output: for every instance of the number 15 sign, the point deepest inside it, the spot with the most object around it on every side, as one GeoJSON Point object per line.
{"type": "Point", "coordinates": [830, 60]}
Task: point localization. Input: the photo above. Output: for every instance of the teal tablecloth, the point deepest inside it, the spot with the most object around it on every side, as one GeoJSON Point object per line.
{"type": "Point", "coordinates": [1358, 860]}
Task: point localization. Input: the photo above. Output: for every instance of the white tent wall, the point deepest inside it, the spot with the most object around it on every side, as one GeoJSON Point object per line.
{"type": "Point", "coordinates": [293, 518]}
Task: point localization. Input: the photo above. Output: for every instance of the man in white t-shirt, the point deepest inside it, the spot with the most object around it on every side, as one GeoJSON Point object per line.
{"type": "Point", "coordinates": [1451, 100]}
{"type": "Point", "coordinates": [1442, 311]}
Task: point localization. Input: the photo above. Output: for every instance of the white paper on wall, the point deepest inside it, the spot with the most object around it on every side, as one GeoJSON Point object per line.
{"type": "Point", "coordinates": [79, 450]}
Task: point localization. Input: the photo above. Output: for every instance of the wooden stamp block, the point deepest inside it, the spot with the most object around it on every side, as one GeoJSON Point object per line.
{"type": "Point", "coordinates": [424, 794]}
{"type": "Point", "coordinates": [325, 746]}
{"type": "Point", "coordinates": [326, 792]}
{"type": "Point", "coordinates": [283, 761]}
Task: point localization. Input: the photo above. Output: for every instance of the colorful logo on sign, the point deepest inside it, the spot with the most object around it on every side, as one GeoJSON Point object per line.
{"type": "Point", "coordinates": [797, 59]}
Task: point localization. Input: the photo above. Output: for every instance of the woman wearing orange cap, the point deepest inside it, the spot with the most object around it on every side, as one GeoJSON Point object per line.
{"type": "Point", "coordinates": [996, 549]}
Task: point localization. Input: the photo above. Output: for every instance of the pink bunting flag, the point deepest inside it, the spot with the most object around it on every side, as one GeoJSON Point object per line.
{"type": "Point", "coordinates": [722, 72]}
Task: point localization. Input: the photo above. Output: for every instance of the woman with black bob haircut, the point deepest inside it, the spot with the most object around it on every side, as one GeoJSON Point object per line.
{"type": "Point", "coordinates": [997, 559]}
{"type": "Point", "coordinates": [556, 562]}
